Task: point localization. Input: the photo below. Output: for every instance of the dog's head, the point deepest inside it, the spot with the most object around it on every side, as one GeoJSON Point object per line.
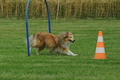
{"type": "Point", "coordinates": [67, 36]}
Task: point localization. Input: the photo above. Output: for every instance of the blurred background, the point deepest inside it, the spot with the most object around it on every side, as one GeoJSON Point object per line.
{"type": "Point", "coordinates": [61, 9]}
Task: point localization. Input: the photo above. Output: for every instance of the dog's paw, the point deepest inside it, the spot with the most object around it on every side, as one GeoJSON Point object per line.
{"type": "Point", "coordinates": [37, 53]}
{"type": "Point", "coordinates": [75, 55]}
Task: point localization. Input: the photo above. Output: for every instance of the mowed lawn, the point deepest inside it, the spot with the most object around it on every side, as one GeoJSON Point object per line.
{"type": "Point", "coordinates": [16, 65]}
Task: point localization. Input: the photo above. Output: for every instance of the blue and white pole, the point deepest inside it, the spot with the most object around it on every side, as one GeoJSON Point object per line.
{"type": "Point", "coordinates": [27, 29]}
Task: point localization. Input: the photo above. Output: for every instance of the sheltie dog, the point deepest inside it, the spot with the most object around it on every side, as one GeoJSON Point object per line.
{"type": "Point", "coordinates": [55, 43]}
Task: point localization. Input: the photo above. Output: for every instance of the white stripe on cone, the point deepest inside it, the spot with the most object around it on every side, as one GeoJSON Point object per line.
{"type": "Point", "coordinates": [100, 50]}
{"type": "Point", "coordinates": [100, 39]}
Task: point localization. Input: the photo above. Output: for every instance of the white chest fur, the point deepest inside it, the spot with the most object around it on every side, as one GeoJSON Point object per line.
{"type": "Point", "coordinates": [66, 45]}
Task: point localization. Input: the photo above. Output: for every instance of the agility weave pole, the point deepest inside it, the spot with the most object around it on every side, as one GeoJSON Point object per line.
{"type": "Point", "coordinates": [48, 13]}
{"type": "Point", "coordinates": [27, 28]}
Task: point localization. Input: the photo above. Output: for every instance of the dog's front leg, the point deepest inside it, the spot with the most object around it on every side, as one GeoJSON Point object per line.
{"type": "Point", "coordinates": [71, 53]}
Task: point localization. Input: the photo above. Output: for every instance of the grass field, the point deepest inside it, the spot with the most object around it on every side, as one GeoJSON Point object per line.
{"type": "Point", "coordinates": [16, 65]}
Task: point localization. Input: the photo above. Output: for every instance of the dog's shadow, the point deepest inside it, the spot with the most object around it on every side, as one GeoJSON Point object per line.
{"type": "Point", "coordinates": [46, 52]}
{"type": "Point", "coordinates": [49, 54]}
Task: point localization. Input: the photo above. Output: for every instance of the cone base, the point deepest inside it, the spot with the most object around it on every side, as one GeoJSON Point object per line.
{"type": "Point", "coordinates": [100, 56]}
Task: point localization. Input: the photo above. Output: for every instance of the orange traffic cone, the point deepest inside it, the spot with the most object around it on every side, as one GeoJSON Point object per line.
{"type": "Point", "coordinates": [100, 51]}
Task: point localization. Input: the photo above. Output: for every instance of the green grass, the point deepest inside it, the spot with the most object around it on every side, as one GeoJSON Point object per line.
{"type": "Point", "coordinates": [16, 65]}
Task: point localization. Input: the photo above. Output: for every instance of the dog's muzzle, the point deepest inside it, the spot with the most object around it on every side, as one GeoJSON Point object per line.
{"type": "Point", "coordinates": [72, 41]}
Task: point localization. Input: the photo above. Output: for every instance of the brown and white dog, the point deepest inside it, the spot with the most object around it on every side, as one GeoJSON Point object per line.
{"type": "Point", "coordinates": [55, 43]}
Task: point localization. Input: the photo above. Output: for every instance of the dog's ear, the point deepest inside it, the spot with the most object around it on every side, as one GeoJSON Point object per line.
{"type": "Point", "coordinates": [63, 34]}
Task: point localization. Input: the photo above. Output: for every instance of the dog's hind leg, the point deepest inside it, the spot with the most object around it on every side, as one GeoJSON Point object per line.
{"type": "Point", "coordinates": [30, 49]}
{"type": "Point", "coordinates": [39, 49]}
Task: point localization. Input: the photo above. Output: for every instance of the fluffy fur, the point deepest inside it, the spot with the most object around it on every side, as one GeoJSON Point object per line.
{"type": "Point", "coordinates": [55, 43]}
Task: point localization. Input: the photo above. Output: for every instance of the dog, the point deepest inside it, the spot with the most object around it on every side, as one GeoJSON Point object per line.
{"type": "Point", "coordinates": [55, 43]}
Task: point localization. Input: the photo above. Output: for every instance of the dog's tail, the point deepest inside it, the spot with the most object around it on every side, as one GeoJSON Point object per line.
{"type": "Point", "coordinates": [32, 40]}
